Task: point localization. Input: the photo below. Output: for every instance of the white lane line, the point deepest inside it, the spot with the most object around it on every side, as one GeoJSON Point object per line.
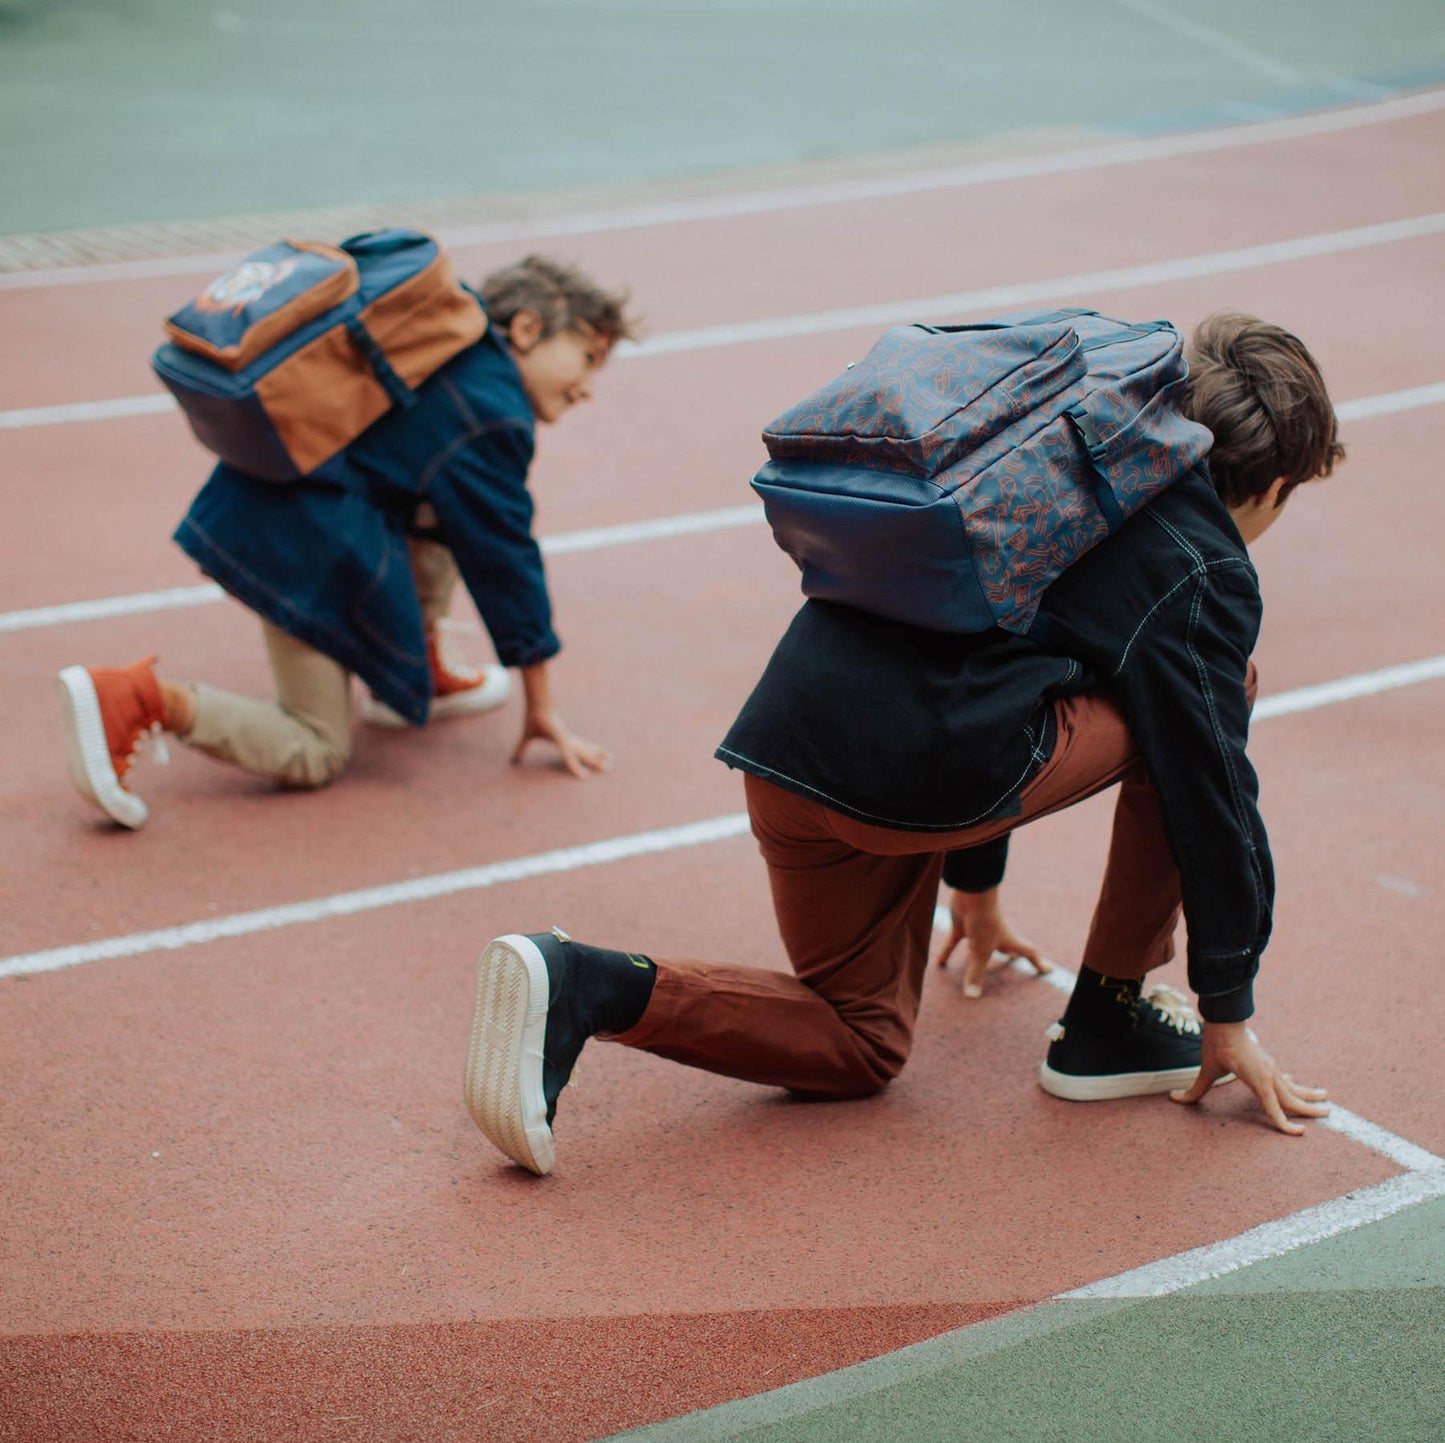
{"type": "Point", "coordinates": [887, 313]}
{"type": "Point", "coordinates": [136, 603]}
{"type": "Point", "coordinates": [1211, 39]}
{"type": "Point", "coordinates": [687, 524]}
{"type": "Point", "coordinates": [119, 409]}
{"type": "Point", "coordinates": [568, 859]}
{"type": "Point", "coordinates": [1368, 1134]}
{"type": "Point", "coordinates": [1307, 698]}
{"type": "Point", "coordinates": [369, 899]}
{"type": "Point", "coordinates": [1398, 1150]}
{"type": "Point", "coordinates": [1389, 402]}
{"type": "Point", "coordinates": [133, 604]}
{"type": "Point", "coordinates": [1270, 1240]}
{"type": "Point", "coordinates": [705, 208]}
{"type": "Point", "coordinates": [1084, 284]}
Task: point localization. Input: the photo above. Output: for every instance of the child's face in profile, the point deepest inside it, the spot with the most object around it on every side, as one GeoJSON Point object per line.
{"type": "Point", "coordinates": [557, 371]}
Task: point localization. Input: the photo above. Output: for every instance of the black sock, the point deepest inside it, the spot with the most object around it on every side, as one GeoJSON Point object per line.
{"type": "Point", "coordinates": [1100, 1002]}
{"type": "Point", "coordinates": [613, 988]}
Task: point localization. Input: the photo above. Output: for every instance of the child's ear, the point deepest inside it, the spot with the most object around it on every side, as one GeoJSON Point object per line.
{"type": "Point", "coordinates": [525, 330]}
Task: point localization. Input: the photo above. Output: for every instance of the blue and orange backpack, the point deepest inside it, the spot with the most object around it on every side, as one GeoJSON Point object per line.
{"type": "Point", "coordinates": [283, 361]}
{"type": "Point", "coordinates": [954, 472]}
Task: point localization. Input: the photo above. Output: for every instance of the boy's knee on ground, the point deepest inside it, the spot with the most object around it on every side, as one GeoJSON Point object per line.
{"type": "Point", "coordinates": [315, 764]}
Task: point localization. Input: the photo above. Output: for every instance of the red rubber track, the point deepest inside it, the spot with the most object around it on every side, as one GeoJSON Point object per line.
{"type": "Point", "coordinates": [240, 1191]}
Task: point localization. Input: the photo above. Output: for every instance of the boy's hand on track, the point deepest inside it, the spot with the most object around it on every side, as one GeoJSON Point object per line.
{"type": "Point", "coordinates": [975, 917]}
{"type": "Point", "coordinates": [1233, 1047]}
{"type": "Point", "coordinates": [579, 756]}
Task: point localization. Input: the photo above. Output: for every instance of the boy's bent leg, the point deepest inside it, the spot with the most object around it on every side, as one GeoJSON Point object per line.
{"type": "Point", "coordinates": [1139, 904]}
{"type": "Point", "coordinates": [303, 738]}
{"type": "Point", "coordinates": [856, 927]}
{"type": "Point", "coordinates": [434, 570]}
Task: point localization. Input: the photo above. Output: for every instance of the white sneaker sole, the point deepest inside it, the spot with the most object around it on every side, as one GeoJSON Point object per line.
{"type": "Point", "coordinates": [491, 694]}
{"type": "Point", "coordinates": [503, 1083]}
{"type": "Point", "coordinates": [1075, 1088]}
{"type": "Point", "coordinates": [88, 753]}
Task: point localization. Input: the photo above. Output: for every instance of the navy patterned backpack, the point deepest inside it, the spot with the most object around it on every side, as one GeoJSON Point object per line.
{"type": "Point", "coordinates": [954, 472]}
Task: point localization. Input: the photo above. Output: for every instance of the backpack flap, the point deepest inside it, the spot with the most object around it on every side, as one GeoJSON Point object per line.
{"type": "Point", "coordinates": [284, 361]}
{"type": "Point", "coordinates": [271, 294]}
{"type": "Point", "coordinates": [924, 395]}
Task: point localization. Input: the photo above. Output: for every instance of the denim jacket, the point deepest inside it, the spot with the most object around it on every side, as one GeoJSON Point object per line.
{"type": "Point", "coordinates": [326, 559]}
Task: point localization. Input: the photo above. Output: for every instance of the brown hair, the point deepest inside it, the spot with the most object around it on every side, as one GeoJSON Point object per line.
{"type": "Point", "coordinates": [562, 295]}
{"type": "Point", "coordinates": [1260, 391]}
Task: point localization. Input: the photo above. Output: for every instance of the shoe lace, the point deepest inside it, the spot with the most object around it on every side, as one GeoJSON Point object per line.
{"type": "Point", "coordinates": [1174, 1008]}
{"type": "Point", "coordinates": [149, 739]}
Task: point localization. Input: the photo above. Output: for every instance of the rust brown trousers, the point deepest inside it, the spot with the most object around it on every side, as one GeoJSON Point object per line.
{"type": "Point", "coordinates": [855, 907]}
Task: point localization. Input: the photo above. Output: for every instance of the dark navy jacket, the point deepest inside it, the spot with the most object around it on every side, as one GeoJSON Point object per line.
{"type": "Point", "coordinates": [927, 731]}
{"type": "Point", "coordinates": [327, 561]}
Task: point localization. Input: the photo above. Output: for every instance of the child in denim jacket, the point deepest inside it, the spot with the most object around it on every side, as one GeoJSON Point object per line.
{"type": "Point", "coordinates": [357, 575]}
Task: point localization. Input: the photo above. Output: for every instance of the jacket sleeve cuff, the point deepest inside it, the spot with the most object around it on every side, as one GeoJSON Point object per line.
{"type": "Point", "coordinates": [530, 653]}
{"type": "Point", "coordinates": [977, 869]}
{"type": "Point", "coordinates": [1235, 1006]}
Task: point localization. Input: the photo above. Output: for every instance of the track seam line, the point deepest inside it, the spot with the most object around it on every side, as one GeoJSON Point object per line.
{"type": "Point", "coordinates": [564, 543]}
{"type": "Point", "coordinates": [1269, 1240]}
{"type": "Point", "coordinates": [1402, 1152]}
{"type": "Point", "coordinates": [901, 312]}
{"type": "Point", "coordinates": [763, 202]}
{"type": "Point", "coordinates": [1208, 36]}
{"type": "Point", "coordinates": [683, 524]}
{"type": "Point", "coordinates": [572, 858]}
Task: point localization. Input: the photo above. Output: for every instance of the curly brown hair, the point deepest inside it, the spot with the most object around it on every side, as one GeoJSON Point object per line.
{"type": "Point", "coordinates": [562, 295]}
{"type": "Point", "coordinates": [1261, 393]}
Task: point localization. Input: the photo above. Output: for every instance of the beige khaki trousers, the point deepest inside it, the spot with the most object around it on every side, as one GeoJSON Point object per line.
{"type": "Point", "coordinates": [303, 738]}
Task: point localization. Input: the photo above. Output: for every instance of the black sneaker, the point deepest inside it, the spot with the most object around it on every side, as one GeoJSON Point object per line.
{"type": "Point", "coordinates": [1154, 1046]}
{"type": "Point", "coordinates": [526, 1038]}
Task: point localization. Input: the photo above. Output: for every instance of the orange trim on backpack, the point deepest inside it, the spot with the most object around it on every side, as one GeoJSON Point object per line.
{"type": "Point", "coordinates": [312, 302]}
{"type": "Point", "coordinates": [424, 322]}
{"type": "Point", "coordinates": [322, 398]}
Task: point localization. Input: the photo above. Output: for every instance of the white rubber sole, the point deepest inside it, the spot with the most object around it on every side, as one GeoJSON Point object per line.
{"type": "Point", "coordinates": [503, 1082]}
{"type": "Point", "coordinates": [1074, 1088]}
{"type": "Point", "coordinates": [491, 694]}
{"type": "Point", "coordinates": [87, 752]}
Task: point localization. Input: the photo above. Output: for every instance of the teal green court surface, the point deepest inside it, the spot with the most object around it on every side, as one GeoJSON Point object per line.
{"type": "Point", "coordinates": [165, 110]}
{"type": "Point", "coordinates": [1336, 1342]}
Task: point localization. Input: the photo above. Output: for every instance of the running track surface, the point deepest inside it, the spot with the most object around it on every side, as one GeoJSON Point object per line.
{"type": "Point", "coordinates": [241, 1192]}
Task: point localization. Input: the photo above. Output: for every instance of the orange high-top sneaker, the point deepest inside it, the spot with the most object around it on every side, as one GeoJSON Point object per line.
{"type": "Point", "coordinates": [458, 687]}
{"type": "Point", "coordinates": [108, 715]}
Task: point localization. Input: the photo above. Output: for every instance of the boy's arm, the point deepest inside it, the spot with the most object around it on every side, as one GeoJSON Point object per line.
{"type": "Point", "coordinates": [1185, 696]}
{"type": "Point", "coordinates": [1183, 689]}
{"type": "Point", "coordinates": [485, 510]}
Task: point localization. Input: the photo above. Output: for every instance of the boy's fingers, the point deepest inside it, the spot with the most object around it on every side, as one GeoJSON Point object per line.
{"type": "Point", "coordinates": [1019, 948]}
{"type": "Point", "coordinates": [974, 971]}
{"type": "Point", "coordinates": [950, 946]}
{"type": "Point", "coordinates": [1197, 1088]}
{"type": "Point", "coordinates": [1303, 1106]}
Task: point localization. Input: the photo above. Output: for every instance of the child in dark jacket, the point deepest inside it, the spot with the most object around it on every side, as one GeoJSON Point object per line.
{"type": "Point", "coordinates": [356, 574]}
{"type": "Point", "coordinates": [880, 757]}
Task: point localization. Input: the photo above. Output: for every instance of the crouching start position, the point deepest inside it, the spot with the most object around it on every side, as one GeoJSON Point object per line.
{"type": "Point", "coordinates": [880, 757]}
{"type": "Point", "coordinates": [352, 567]}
